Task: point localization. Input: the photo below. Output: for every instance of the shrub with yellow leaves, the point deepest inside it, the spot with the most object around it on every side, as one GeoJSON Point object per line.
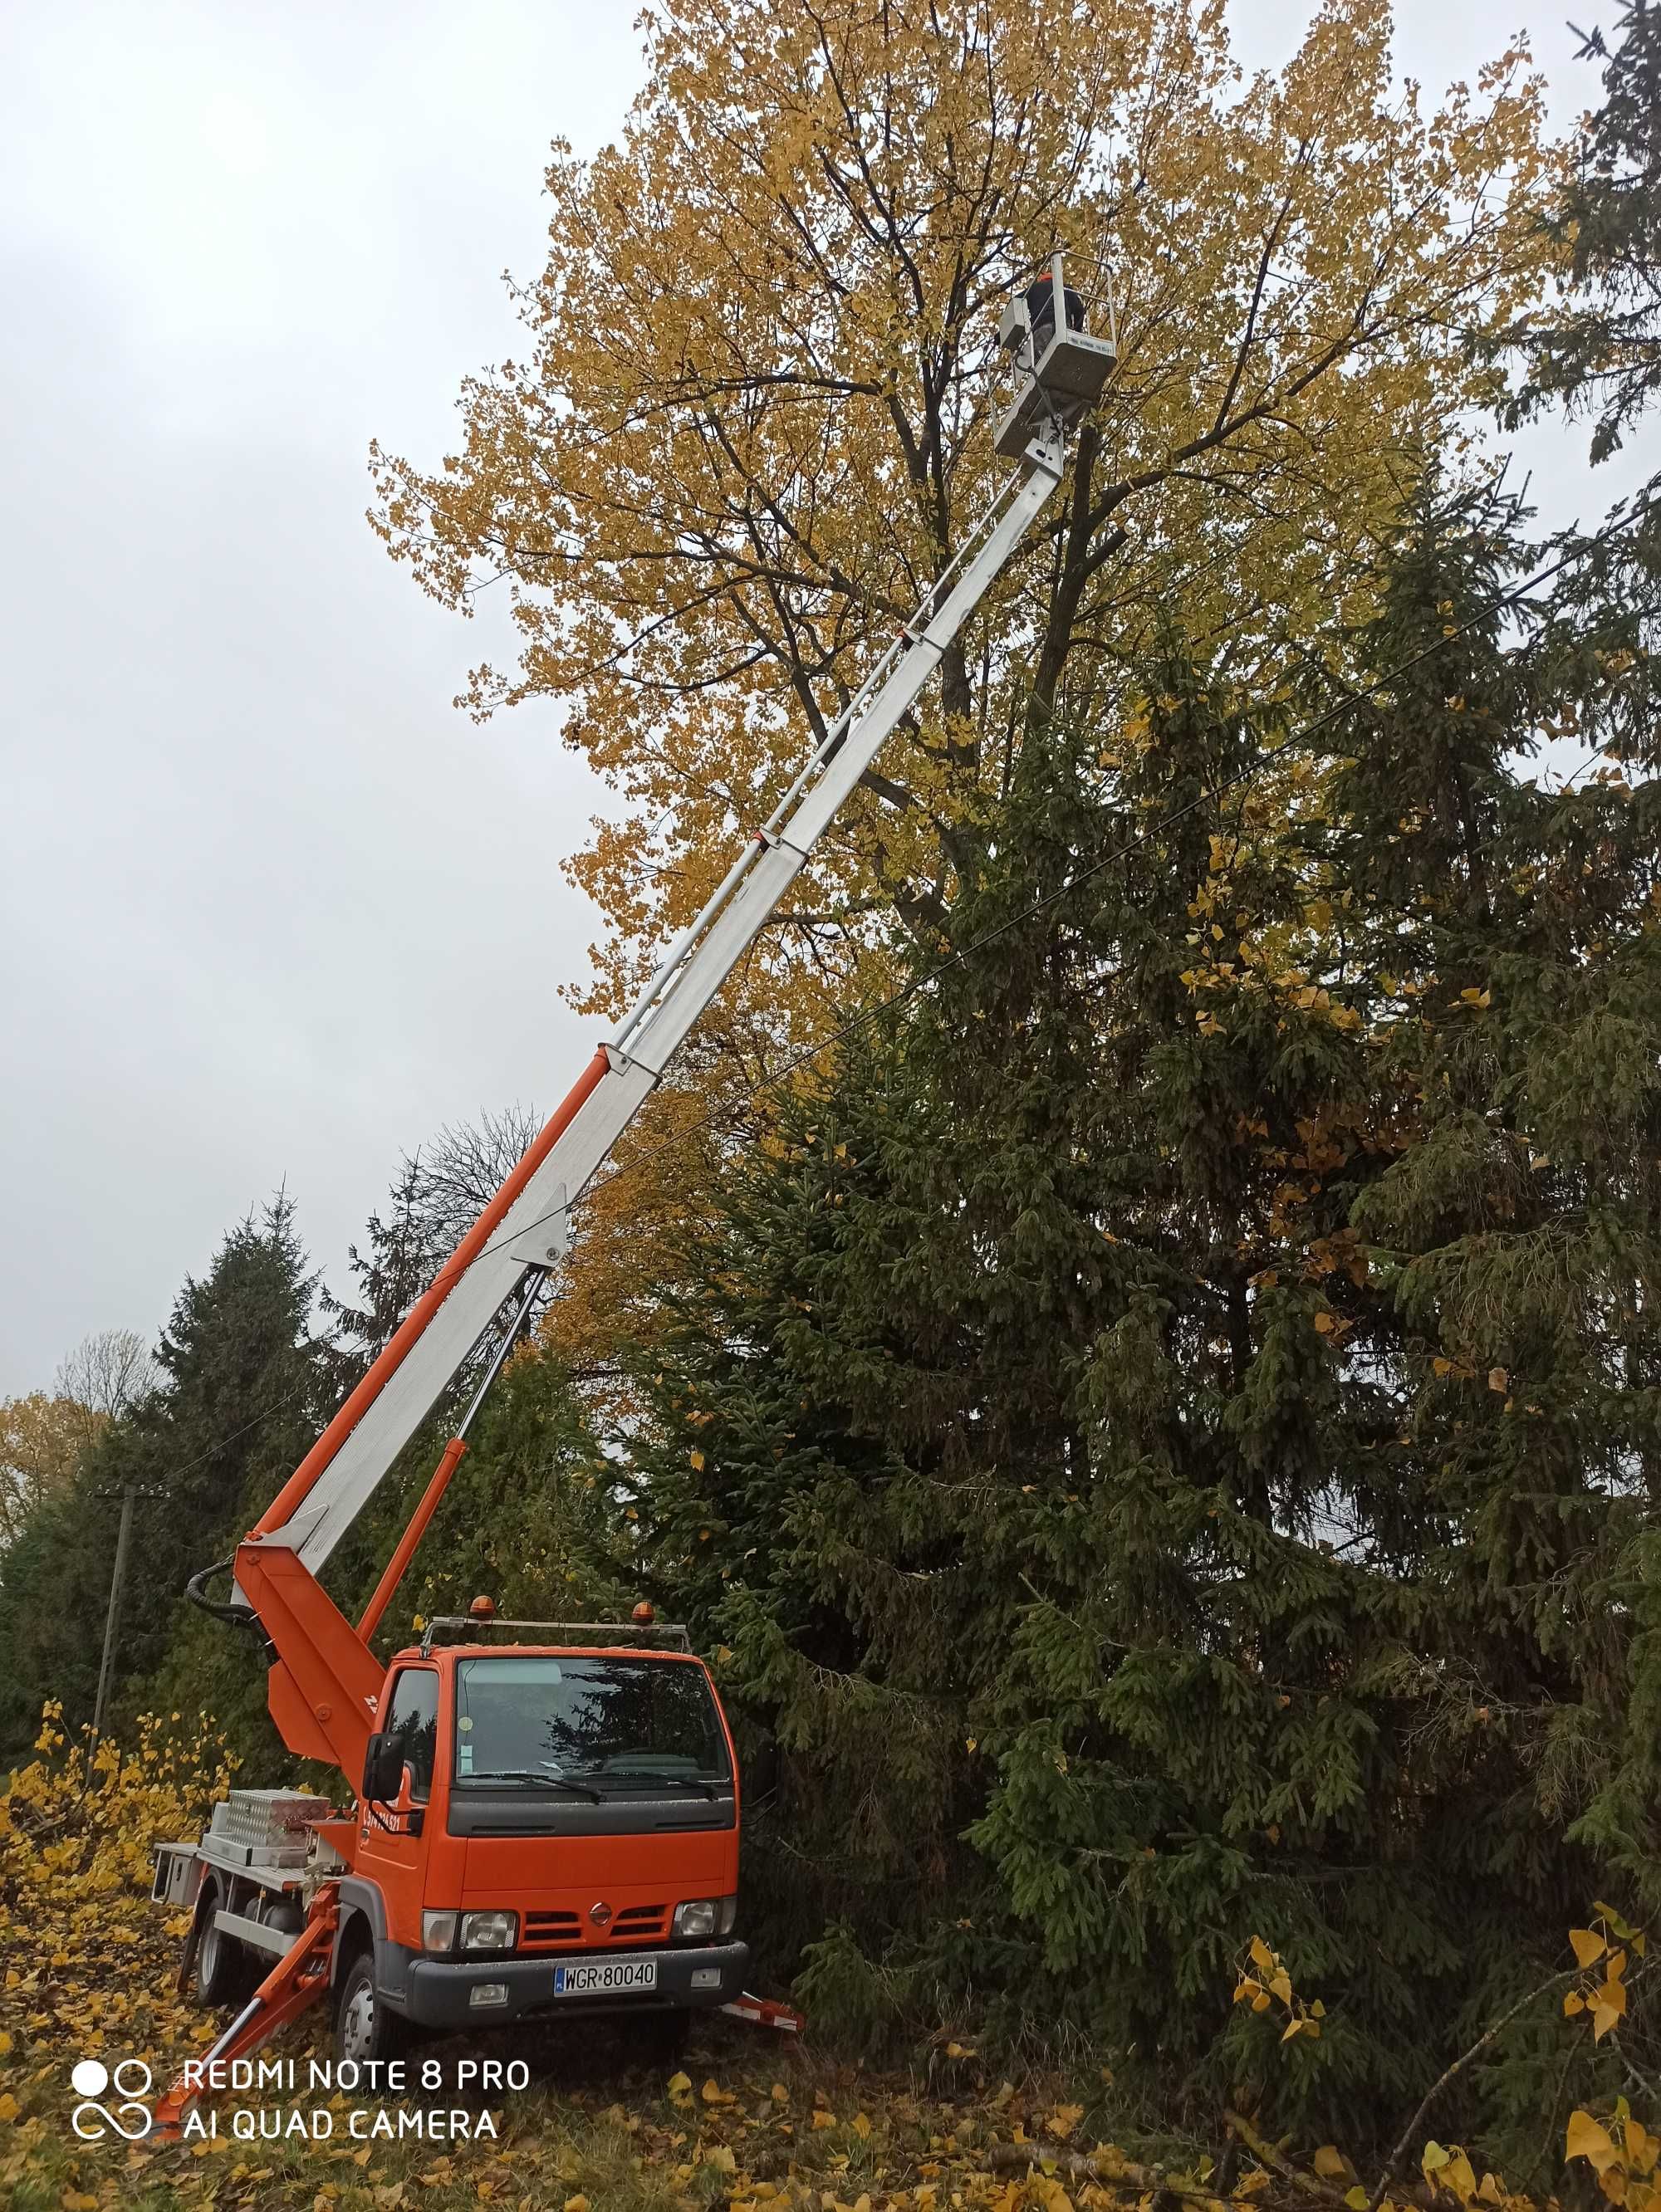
{"type": "Point", "coordinates": [90, 1968]}
{"type": "Point", "coordinates": [1601, 1952]}
{"type": "Point", "coordinates": [1264, 1982]}
{"type": "Point", "coordinates": [1623, 2156]}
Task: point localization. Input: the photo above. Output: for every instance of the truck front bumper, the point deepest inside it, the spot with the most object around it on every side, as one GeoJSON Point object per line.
{"type": "Point", "coordinates": [440, 1992]}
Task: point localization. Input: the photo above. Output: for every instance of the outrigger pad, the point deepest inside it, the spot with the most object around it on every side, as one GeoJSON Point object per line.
{"type": "Point", "coordinates": [1070, 378]}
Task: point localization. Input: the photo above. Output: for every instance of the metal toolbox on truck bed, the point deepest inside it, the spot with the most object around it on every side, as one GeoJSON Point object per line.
{"type": "Point", "coordinates": [265, 1834]}
{"type": "Point", "coordinates": [271, 1826]}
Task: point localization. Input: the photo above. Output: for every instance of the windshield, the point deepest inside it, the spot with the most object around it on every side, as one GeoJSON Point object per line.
{"type": "Point", "coordinates": [601, 1723]}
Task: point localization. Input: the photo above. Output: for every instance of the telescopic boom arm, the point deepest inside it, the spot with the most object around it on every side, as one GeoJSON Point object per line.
{"type": "Point", "coordinates": [325, 1681]}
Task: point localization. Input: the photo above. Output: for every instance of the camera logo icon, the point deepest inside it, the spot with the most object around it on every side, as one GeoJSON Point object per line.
{"type": "Point", "coordinates": [131, 2119]}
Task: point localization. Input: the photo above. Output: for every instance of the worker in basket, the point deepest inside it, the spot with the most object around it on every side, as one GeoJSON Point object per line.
{"type": "Point", "coordinates": [1041, 311]}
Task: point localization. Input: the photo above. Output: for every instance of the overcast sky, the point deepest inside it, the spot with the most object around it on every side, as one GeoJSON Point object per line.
{"type": "Point", "coordinates": [272, 909]}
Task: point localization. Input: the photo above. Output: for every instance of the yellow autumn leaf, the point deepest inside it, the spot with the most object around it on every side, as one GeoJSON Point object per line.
{"type": "Point", "coordinates": [1262, 1957]}
{"type": "Point", "coordinates": [696, 1460]}
{"type": "Point", "coordinates": [1588, 1946]}
{"type": "Point", "coordinates": [713, 2093]}
{"type": "Point", "coordinates": [861, 2127]}
{"type": "Point", "coordinates": [7, 2106]}
{"type": "Point", "coordinates": [1457, 2177]}
{"type": "Point", "coordinates": [1329, 2162]}
{"type": "Point", "coordinates": [1589, 2139]}
{"type": "Point", "coordinates": [1498, 1380]}
{"type": "Point", "coordinates": [822, 2118]}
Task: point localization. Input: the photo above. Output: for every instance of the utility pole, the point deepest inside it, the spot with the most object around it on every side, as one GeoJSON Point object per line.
{"type": "Point", "coordinates": [128, 1494]}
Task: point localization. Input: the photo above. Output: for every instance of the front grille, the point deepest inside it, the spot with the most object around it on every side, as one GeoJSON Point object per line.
{"type": "Point", "coordinates": [547, 1931]}
{"type": "Point", "coordinates": [560, 1931]}
{"type": "Point", "coordinates": [639, 1923]}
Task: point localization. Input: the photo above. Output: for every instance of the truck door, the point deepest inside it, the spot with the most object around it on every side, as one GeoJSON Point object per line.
{"type": "Point", "coordinates": [387, 1849]}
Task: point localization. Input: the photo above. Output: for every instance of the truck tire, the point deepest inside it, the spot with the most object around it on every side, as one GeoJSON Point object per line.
{"type": "Point", "coordinates": [222, 1964]}
{"type": "Point", "coordinates": [364, 2027]}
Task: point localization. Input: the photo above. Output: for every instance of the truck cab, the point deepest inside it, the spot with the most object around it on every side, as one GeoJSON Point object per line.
{"type": "Point", "coordinates": [542, 1828]}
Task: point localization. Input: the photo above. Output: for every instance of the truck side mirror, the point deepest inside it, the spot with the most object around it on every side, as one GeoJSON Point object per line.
{"type": "Point", "coordinates": [383, 1768]}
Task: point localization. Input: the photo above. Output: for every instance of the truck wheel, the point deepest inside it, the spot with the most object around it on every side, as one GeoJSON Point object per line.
{"type": "Point", "coordinates": [222, 1963]}
{"type": "Point", "coordinates": [364, 2028]}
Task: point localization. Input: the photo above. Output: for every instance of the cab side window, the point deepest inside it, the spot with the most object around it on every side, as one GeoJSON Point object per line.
{"type": "Point", "coordinates": [412, 1716]}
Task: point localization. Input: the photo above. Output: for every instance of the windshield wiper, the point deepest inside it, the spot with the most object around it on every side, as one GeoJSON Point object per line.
{"type": "Point", "coordinates": [541, 1781]}
{"type": "Point", "coordinates": [669, 1781]}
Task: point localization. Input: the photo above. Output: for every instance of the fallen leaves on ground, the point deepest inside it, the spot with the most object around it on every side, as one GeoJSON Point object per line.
{"type": "Point", "coordinates": [593, 2130]}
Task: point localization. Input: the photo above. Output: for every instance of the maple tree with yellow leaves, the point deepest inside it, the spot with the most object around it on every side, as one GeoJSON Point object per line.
{"type": "Point", "coordinates": [754, 417]}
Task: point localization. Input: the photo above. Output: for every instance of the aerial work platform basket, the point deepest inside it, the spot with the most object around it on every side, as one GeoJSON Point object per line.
{"type": "Point", "coordinates": [1063, 371]}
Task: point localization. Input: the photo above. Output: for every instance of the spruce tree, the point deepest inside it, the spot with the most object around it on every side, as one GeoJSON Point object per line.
{"type": "Point", "coordinates": [1602, 353]}
{"type": "Point", "coordinates": [1159, 1435]}
{"type": "Point", "coordinates": [240, 1389]}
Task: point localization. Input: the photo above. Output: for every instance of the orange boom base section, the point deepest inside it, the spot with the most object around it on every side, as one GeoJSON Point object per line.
{"type": "Point", "coordinates": [324, 1691]}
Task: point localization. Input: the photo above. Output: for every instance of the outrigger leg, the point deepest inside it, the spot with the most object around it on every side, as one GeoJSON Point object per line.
{"type": "Point", "coordinates": [300, 1977]}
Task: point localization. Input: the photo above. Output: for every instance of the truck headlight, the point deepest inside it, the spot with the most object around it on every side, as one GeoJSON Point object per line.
{"type": "Point", "coordinates": [438, 1931]}
{"type": "Point", "coordinates": [489, 1932]}
{"type": "Point", "coordinates": [706, 1916]}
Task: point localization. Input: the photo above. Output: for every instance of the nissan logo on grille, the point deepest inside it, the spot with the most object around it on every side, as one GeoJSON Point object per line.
{"type": "Point", "coordinates": [599, 1914]}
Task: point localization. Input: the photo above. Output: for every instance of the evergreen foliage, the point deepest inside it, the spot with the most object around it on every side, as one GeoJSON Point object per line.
{"type": "Point", "coordinates": [529, 1517]}
{"type": "Point", "coordinates": [241, 1390]}
{"type": "Point", "coordinates": [1602, 354]}
{"type": "Point", "coordinates": [1166, 1435]}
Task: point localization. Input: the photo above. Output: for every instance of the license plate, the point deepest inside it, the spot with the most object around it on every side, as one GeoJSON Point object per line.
{"type": "Point", "coordinates": [605, 1976]}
